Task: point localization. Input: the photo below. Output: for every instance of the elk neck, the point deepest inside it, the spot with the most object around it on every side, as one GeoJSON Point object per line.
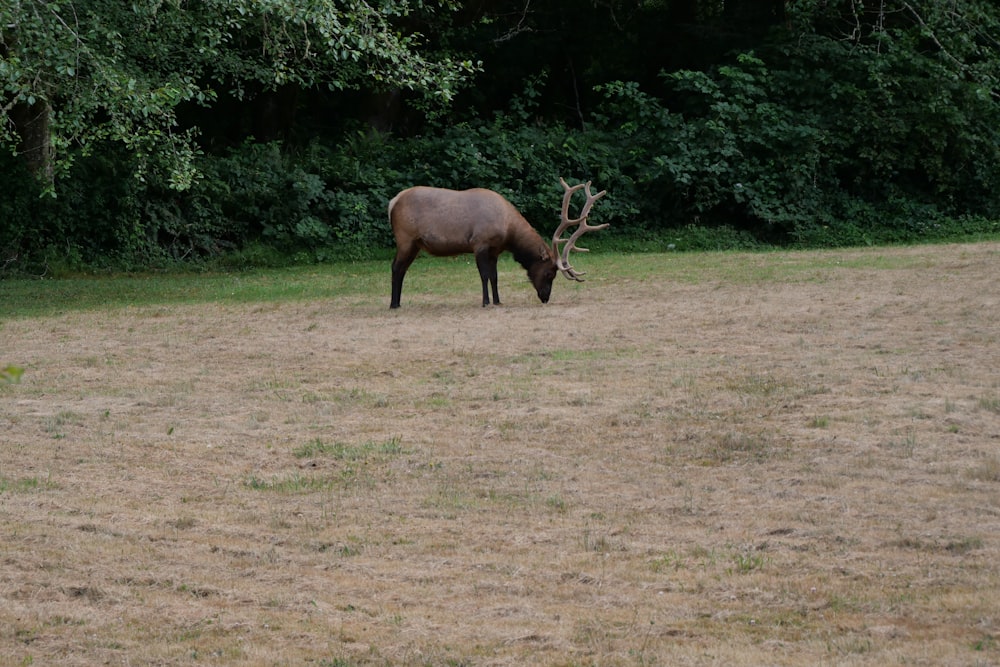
{"type": "Point", "coordinates": [527, 246]}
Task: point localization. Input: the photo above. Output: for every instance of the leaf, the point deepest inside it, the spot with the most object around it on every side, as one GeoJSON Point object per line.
{"type": "Point", "coordinates": [11, 375]}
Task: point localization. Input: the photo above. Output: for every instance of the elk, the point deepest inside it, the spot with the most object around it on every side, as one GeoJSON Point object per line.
{"type": "Point", "coordinates": [481, 222]}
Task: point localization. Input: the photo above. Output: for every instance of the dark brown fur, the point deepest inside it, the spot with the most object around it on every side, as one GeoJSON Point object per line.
{"type": "Point", "coordinates": [480, 222]}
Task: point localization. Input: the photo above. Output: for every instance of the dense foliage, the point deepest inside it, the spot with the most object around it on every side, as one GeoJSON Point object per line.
{"type": "Point", "coordinates": [153, 132]}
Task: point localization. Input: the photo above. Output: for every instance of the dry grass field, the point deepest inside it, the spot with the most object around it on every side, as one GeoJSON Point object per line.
{"type": "Point", "coordinates": [738, 459]}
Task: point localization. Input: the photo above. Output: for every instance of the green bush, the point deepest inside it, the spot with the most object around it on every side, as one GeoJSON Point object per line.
{"type": "Point", "coordinates": [94, 223]}
{"type": "Point", "coordinates": [808, 144]}
{"type": "Point", "coordinates": [823, 151]}
{"type": "Point", "coordinates": [20, 226]}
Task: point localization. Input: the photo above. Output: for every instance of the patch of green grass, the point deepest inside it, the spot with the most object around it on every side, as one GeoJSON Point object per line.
{"type": "Point", "coordinates": [346, 452]}
{"type": "Point", "coordinates": [40, 297]}
{"type": "Point", "coordinates": [23, 485]}
{"type": "Point", "coordinates": [368, 281]}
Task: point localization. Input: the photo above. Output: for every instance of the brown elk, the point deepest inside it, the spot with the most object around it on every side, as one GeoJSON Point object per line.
{"type": "Point", "coordinates": [451, 222]}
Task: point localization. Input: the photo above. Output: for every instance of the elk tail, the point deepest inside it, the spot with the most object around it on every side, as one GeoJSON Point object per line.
{"type": "Point", "coordinates": [392, 203]}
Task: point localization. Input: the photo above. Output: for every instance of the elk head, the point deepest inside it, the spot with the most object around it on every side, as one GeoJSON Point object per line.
{"type": "Point", "coordinates": [562, 255]}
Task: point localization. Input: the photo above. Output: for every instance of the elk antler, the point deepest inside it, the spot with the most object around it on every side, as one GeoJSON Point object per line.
{"type": "Point", "coordinates": [562, 257]}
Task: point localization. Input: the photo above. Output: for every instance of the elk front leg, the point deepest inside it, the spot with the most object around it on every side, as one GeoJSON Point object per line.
{"type": "Point", "coordinates": [399, 266]}
{"type": "Point", "coordinates": [486, 261]}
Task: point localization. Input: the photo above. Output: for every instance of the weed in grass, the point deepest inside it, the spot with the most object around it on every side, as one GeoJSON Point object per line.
{"type": "Point", "coordinates": [986, 643]}
{"type": "Point", "coordinates": [444, 375]}
{"type": "Point", "coordinates": [819, 422]}
{"type": "Point", "coordinates": [356, 396]}
{"type": "Point", "coordinates": [671, 560]}
{"type": "Point", "coordinates": [352, 547]}
{"type": "Point", "coordinates": [278, 387]}
{"type": "Point", "coordinates": [601, 543]}
{"type": "Point", "coordinates": [557, 503]}
{"type": "Point", "coordinates": [450, 501]}
{"type": "Point", "coordinates": [183, 523]}
{"type": "Point", "coordinates": [755, 386]}
{"type": "Point", "coordinates": [56, 424]}
{"type": "Point", "coordinates": [906, 445]}
{"type": "Point", "coordinates": [598, 637]}
{"type": "Point", "coordinates": [990, 404]}
{"type": "Point", "coordinates": [988, 470]}
{"type": "Point", "coordinates": [964, 545]}
{"type": "Point", "coordinates": [295, 483]}
{"type": "Point", "coordinates": [850, 645]}
{"type": "Point", "coordinates": [540, 474]}
{"type": "Point", "coordinates": [958, 546]}
{"type": "Point", "coordinates": [574, 355]}
{"type": "Point", "coordinates": [748, 559]}
{"type": "Point", "coordinates": [438, 400]}
{"type": "Point", "coordinates": [311, 398]}
{"type": "Point", "coordinates": [689, 383]}
{"type": "Point", "coordinates": [703, 557]}
{"type": "Point", "coordinates": [690, 506]}
{"type": "Point", "coordinates": [918, 412]}
{"type": "Point", "coordinates": [738, 446]}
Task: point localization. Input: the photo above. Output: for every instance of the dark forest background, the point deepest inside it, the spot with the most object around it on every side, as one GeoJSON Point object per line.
{"type": "Point", "coordinates": [240, 133]}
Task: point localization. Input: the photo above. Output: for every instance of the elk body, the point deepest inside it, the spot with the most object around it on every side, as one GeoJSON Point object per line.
{"type": "Point", "coordinates": [481, 222]}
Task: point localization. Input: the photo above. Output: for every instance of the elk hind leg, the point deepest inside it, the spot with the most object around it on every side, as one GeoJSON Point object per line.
{"type": "Point", "coordinates": [486, 262]}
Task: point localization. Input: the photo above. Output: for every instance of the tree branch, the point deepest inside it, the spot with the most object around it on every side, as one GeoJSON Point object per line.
{"type": "Point", "coordinates": [930, 33]}
{"type": "Point", "coordinates": [519, 28]}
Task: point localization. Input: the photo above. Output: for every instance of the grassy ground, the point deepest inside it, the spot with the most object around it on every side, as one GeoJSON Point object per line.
{"type": "Point", "coordinates": [785, 458]}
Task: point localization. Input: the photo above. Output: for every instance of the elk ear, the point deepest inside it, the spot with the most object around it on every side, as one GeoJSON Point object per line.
{"type": "Point", "coordinates": [545, 255]}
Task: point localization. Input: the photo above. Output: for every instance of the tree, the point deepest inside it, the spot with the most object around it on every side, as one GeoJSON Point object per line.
{"type": "Point", "coordinates": [80, 72]}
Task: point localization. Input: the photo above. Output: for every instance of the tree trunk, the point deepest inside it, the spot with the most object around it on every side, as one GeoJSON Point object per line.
{"type": "Point", "coordinates": [31, 122]}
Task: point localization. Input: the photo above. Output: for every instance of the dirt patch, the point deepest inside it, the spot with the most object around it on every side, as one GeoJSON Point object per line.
{"type": "Point", "coordinates": [779, 467]}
